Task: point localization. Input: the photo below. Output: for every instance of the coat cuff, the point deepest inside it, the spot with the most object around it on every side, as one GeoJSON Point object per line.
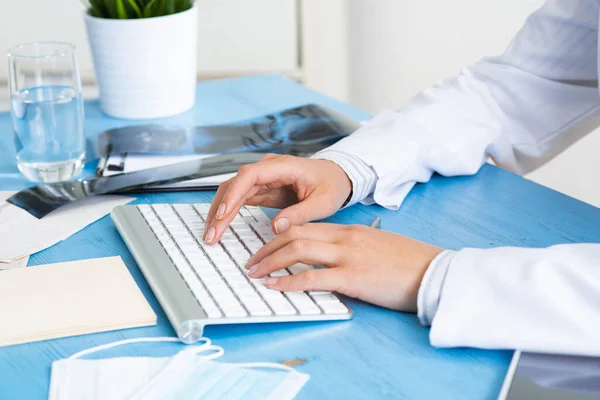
{"type": "Point", "coordinates": [430, 290]}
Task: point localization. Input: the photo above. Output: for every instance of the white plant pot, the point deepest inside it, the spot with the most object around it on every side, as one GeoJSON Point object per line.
{"type": "Point", "coordinates": [145, 68]}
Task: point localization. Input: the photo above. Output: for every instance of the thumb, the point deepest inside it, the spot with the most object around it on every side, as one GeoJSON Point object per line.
{"type": "Point", "coordinates": [314, 207]}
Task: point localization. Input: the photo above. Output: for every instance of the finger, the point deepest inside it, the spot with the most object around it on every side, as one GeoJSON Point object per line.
{"type": "Point", "coordinates": [216, 202]}
{"type": "Point", "coordinates": [298, 251]}
{"type": "Point", "coordinates": [321, 232]}
{"type": "Point", "coordinates": [218, 226]}
{"type": "Point", "coordinates": [316, 206]}
{"type": "Point", "coordinates": [279, 169]}
{"type": "Point", "coordinates": [331, 280]}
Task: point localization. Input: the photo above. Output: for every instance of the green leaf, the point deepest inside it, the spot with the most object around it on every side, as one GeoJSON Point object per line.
{"type": "Point", "coordinates": [135, 8]}
{"type": "Point", "coordinates": [110, 7]}
{"type": "Point", "coordinates": [97, 9]}
{"type": "Point", "coordinates": [148, 8]}
{"type": "Point", "coordinates": [169, 7]}
{"type": "Point", "coordinates": [121, 13]}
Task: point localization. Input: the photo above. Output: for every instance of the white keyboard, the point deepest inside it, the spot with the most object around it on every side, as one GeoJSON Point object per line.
{"type": "Point", "coordinates": [215, 275]}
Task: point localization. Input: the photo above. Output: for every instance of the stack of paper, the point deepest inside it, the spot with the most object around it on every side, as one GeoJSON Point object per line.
{"type": "Point", "coordinates": [21, 234]}
{"type": "Point", "coordinates": [124, 163]}
{"type": "Point", "coordinates": [67, 299]}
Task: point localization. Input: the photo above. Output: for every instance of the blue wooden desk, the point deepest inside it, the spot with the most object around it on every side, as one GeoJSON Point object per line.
{"type": "Point", "coordinates": [378, 354]}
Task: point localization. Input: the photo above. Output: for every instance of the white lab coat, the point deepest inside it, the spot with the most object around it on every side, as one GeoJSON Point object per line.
{"type": "Point", "coordinates": [521, 108]}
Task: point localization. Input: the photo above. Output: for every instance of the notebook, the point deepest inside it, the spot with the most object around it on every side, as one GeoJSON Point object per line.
{"type": "Point", "coordinates": [67, 299]}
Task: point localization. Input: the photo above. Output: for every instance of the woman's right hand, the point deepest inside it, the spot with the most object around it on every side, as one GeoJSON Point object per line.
{"type": "Point", "coordinates": [306, 190]}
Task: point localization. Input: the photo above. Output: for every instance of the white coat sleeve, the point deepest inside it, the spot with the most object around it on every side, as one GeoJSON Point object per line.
{"type": "Point", "coordinates": [538, 300]}
{"type": "Point", "coordinates": [521, 108]}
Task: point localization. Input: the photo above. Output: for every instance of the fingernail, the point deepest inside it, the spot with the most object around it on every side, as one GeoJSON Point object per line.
{"type": "Point", "coordinates": [253, 269]}
{"type": "Point", "coordinates": [210, 235]}
{"type": "Point", "coordinates": [270, 280]}
{"type": "Point", "coordinates": [249, 263]}
{"type": "Point", "coordinates": [221, 211]}
{"type": "Point", "coordinates": [281, 225]}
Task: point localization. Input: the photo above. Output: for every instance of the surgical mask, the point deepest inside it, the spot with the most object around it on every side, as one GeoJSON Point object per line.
{"type": "Point", "coordinates": [189, 374]}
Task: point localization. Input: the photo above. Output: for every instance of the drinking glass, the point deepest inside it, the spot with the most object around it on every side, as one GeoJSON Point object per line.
{"type": "Point", "coordinates": [47, 111]}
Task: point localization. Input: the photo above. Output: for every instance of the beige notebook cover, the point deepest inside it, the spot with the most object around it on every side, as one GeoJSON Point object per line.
{"type": "Point", "coordinates": [71, 298]}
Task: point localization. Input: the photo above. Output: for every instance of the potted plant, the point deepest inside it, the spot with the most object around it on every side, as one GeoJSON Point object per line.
{"type": "Point", "coordinates": [144, 54]}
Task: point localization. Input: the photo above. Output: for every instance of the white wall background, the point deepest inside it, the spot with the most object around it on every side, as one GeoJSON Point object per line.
{"type": "Point", "coordinates": [234, 36]}
{"type": "Point", "coordinates": [395, 48]}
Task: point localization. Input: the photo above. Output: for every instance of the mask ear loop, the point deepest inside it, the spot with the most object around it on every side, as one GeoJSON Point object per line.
{"type": "Point", "coordinates": [269, 365]}
{"type": "Point", "coordinates": [200, 348]}
{"type": "Point", "coordinates": [214, 351]}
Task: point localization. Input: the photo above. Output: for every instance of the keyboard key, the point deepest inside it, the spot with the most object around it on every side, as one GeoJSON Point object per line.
{"type": "Point", "coordinates": [303, 303]}
{"type": "Point", "coordinates": [324, 298]}
{"type": "Point", "coordinates": [248, 234]}
{"type": "Point", "coordinates": [233, 247]}
{"type": "Point", "coordinates": [254, 247]}
{"type": "Point", "coordinates": [210, 308]}
{"type": "Point", "coordinates": [334, 308]}
{"type": "Point", "coordinates": [241, 258]}
{"type": "Point", "coordinates": [217, 287]}
{"type": "Point", "coordinates": [281, 307]}
{"type": "Point", "coordinates": [257, 282]}
{"type": "Point", "coordinates": [257, 308]}
{"type": "Point", "coordinates": [268, 293]}
{"type": "Point", "coordinates": [281, 272]}
{"type": "Point", "coordinates": [299, 268]}
{"type": "Point", "coordinates": [225, 300]}
{"type": "Point", "coordinates": [259, 214]}
{"type": "Point", "coordinates": [202, 208]}
{"type": "Point", "coordinates": [184, 209]}
{"type": "Point", "coordinates": [244, 212]}
{"type": "Point", "coordinates": [235, 312]}
{"type": "Point", "coordinates": [145, 208]}
{"type": "Point", "coordinates": [230, 272]}
{"type": "Point", "coordinates": [243, 290]}
{"type": "Point", "coordinates": [315, 292]}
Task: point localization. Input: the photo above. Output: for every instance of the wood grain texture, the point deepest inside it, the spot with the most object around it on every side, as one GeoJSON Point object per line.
{"type": "Point", "coordinates": [377, 354]}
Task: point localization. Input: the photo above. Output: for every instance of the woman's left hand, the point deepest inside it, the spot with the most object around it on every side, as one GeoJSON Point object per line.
{"type": "Point", "coordinates": [378, 267]}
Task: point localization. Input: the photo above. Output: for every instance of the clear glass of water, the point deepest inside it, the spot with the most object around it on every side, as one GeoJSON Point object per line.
{"type": "Point", "coordinates": [47, 111]}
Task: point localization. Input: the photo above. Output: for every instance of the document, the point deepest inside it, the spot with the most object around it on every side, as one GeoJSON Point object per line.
{"type": "Point", "coordinates": [21, 234]}
{"type": "Point", "coordinates": [18, 263]}
{"type": "Point", "coordinates": [68, 299]}
{"type": "Point", "coordinates": [118, 164]}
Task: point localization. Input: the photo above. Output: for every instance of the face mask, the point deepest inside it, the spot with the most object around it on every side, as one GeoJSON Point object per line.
{"type": "Point", "coordinates": [189, 374]}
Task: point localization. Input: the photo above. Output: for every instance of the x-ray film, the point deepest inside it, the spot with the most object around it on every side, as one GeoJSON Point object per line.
{"type": "Point", "coordinates": [300, 131]}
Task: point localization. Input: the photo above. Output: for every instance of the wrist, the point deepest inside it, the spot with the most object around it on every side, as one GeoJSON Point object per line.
{"type": "Point", "coordinates": [361, 176]}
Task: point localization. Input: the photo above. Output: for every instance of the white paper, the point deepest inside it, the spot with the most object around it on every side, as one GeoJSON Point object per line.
{"type": "Point", "coordinates": [136, 162]}
{"type": "Point", "coordinates": [71, 298]}
{"type": "Point", "coordinates": [18, 263]}
{"type": "Point", "coordinates": [22, 234]}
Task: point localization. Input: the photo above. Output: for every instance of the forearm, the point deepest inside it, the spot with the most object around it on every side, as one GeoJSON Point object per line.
{"type": "Point", "coordinates": [539, 300]}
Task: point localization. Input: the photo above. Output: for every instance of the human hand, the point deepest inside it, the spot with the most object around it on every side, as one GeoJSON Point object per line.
{"type": "Point", "coordinates": [306, 189]}
{"type": "Point", "coordinates": [378, 267]}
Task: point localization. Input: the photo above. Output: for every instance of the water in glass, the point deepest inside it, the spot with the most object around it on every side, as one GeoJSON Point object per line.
{"type": "Point", "coordinates": [47, 117]}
